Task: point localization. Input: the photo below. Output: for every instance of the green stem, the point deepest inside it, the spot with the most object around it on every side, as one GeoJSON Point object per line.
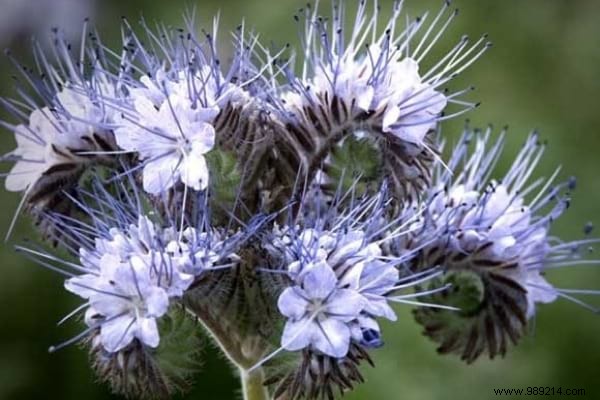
{"type": "Point", "coordinates": [252, 384]}
{"type": "Point", "coordinates": [222, 338]}
{"type": "Point", "coordinates": [253, 381]}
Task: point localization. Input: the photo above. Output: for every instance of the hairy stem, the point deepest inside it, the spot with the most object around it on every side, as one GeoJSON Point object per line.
{"type": "Point", "coordinates": [252, 384]}
{"type": "Point", "coordinates": [252, 381]}
{"type": "Point", "coordinates": [221, 337]}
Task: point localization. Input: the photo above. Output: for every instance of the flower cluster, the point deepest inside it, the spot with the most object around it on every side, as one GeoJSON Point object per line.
{"type": "Point", "coordinates": [494, 244]}
{"type": "Point", "coordinates": [339, 287]}
{"type": "Point", "coordinates": [349, 86]}
{"type": "Point", "coordinates": [283, 210]}
{"type": "Point", "coordinates": [171, 125]}
{"type": "Point", "coordinates": [128, 285]}
{"type": "Point", "coordinates": [340, 282]}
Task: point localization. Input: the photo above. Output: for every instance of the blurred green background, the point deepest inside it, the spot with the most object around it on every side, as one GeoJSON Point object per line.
{"type": "Point", "coordinates": [543, 72]}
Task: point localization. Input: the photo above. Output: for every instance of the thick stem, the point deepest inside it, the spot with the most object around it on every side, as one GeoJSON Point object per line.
{"type": "Point", "coordinates": [252, 384]}
{"type": "Point", "coordinates": [220, 336]}
{"type": "Point", "coordinates": [252, 381]}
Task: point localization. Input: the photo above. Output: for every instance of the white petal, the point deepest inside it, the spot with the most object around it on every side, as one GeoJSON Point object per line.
{"type": "Point", "coordinates": [543, 292]}
{"type": "Point", "coordinates": [378, 278]}
{"type": "Point", "coordinates": [349, 247]}
{"type": "Point", "coordinates": [109, 264]}
{"type": "Point", "coordinates": [294, 268]}
{"type": "Point", "coordinates": [345, 304]}
{"type": "Point", "coordinates": [147, 332]}
{"type": "Point", "coordinates": [24, 174]}
{"type": "Point", "coordinates": [320, 281]}
{"type": "Point", "coordinates": [364, 97]}
{"type": "Point", "coordinates": [203, 138]}
{"type": "Point", "coordinates": [332, 337]}
{"type": "Point", "coordinates": [352, 276]}
{"type": "Point", "coordinates": [91, 259]}
{"type": "Point", "coordinates": [145, 230]}
{"type": "Point", "coordinates": [181, 283]}
{"type": "Point", "coordinates": [109, 305]}
{"type": "Point", "coordinates": [379, 307]}
{"type": "Point", "coordinates": [408, 69]}
{"type": "Point", "coordinates": [501, 244]}
{"type": "Point", "coordinates": [117, 333]}
{"type": "Point", "coordinates": [498, 202]}
{"type": "Point", "coordinates": [132, 277]}
{"type": "Point", "coordinates": [156, 301]}
{"type": "Point", "coordinates": [161, 174]}
{"type": "Point", "coordinates": [327, 241]}
{"type": "Point", "coordinates": [207, 113]}
{"type": "Point", "coordinates": [390, 117]}
{"type": "Point", "coordinates": [84, 286]}
{"type": "Point", "coordinates": [194, 172]}
{"type": "Point", "coordinates": [291, 304]}
{"type": "Point", "coordinates": [419, 125]}
{"type": "Point", "coordinates": [128, 135]}
{"type": "Point", "coordinates": [153, 92]}
{"type": "Point", "coordinates": [297, 334]}
{"type": "Point", "coordinates": [149, 116]}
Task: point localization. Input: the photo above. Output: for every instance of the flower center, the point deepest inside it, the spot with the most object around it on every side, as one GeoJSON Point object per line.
{"type": "Point", "coordinates": [138, 306]}
{"type": "Point", "coordinates": [315, 307]}
{"type": "Point", "coordinates": [184, 146]}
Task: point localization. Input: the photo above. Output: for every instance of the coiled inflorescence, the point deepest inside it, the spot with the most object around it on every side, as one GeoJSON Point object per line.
{"type": "Point", "coordinates": [283, 203]}
{"type": "Point", "coordinates": [493, 241]}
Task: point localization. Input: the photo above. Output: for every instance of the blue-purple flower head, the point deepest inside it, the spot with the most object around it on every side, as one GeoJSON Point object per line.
{"type": "Point", "coordinates": [167, 102]}
{"type": "Point", "coordinates": [364, 78]}
{"type": "Point", "coordinates": [171, 125]}
{"type": "Point", "coordinates": [340, 282]}
{"type": "Point", "coordinates": [335, 298]}
{"type": "Point", "coordinates": [156, 113]}
{"type": "Point", "coordinates": [286, 199]}
{"type": "Point", "coordinates": [132, 266]}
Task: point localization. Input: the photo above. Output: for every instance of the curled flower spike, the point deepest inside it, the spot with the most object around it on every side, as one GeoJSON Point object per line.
{"type": "Point", "coordinates": [136, 274]}
{"type": "Point", "coordinates": [364, 83]}
{"type": "Point", "coordinates": [494, 245]}
{"type": "Point", "coordinates": [98, 109]}
{"type": "Point", "coordinates": [129, 266]}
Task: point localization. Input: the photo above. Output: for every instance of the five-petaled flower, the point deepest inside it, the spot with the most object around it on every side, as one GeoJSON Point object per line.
{"type": "Point", "coordinates": [319, 312]}
{"type": "Point", "coordinates": [124, 302]}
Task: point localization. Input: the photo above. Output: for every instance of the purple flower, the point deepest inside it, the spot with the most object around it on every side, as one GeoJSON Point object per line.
{"type": "Point", "coordinates": [319, 312]}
